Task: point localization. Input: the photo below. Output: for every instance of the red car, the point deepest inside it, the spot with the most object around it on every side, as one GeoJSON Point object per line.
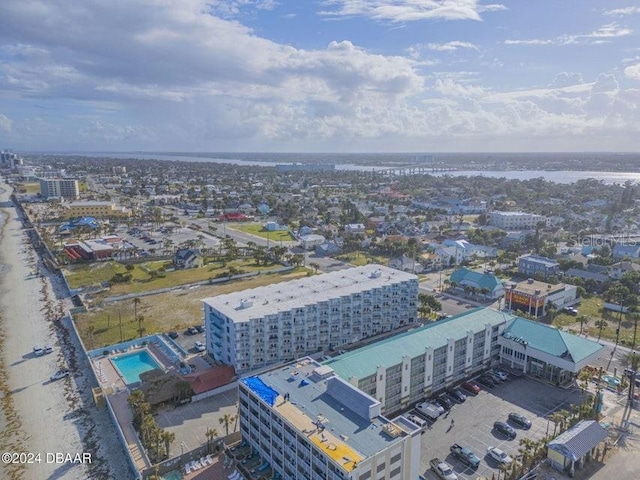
{"type": "Point", "coordinates": [471, 387]}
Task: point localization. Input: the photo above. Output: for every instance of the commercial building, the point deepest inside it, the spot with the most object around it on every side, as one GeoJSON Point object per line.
{"type": "Point", "coordinates": [535, 265]}
{"type": "Point", "coordinates": [545, 352]}
{"type": "Point", "coordinates": [96, 209]}
{"type": "Point", "coordinates": [59, 188]}
{"type": "Point", "coordinates": [534, 297]}
{"type": "Point", "coordinates": [515, 220]}
{"type": "Point", "coordinates": [277, 323]}
{"type": "Point", "coordinates": [403, 369]}
{"type": "Point", "coordinates": [486, 285]}
{"type": "Point", "coordinates": [309, 424]}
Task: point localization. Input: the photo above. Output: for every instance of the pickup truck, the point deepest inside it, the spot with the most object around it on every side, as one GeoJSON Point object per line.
{"type": "Point", "coordinates": [429, 410]}
{"type": "Point", "coordinates": [465, 455]}
{"type": "Point", "coordinates": [443, 469]}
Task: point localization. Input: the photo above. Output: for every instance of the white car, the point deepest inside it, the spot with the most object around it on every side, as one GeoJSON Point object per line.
{"type": "Point", "coordinates": [199, 346]}
{"type": "Point", "coordinates": [60, 374]}
{"type": "Point", "coordinates": [499, 456]}
{"type": "Point", "coordinates": [501, 375]}
{"type": "Point", "coordinates": [38, 351]}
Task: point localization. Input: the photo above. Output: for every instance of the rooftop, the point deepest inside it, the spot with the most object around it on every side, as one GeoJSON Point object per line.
{"type": "Point", "coordinates": [338, 418]}
{"type": "Point", "coordinates": [513, 214]}
{"type": "Point", "coordinates": [272, 299]}
{"type": "Point", "coordinates": [533, 287]}
{"type": "Point", "coordinates": [363, 362]}
{"type": "Point", "coordinates": [538, 259]}
{"type": "Point", "coordinates": [579, 439]}
{"type": "Point", "coordinates": [483, 280]}
{"type": "Point", "coordinates": [551, 340]}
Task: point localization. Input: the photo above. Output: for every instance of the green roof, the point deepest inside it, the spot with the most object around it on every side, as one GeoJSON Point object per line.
{"type": "Point", "coordinates": [464, 276]}
{"type": "Point", "coordinates": [364, 361]}
{"type": "Point", "coordinates": [551, 340]}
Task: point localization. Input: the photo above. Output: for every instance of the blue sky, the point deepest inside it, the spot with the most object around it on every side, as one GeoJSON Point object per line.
{"type": "Point", "coordinates": [320, 75]}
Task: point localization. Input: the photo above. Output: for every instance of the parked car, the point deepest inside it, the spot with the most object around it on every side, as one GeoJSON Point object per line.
{"type": "Point", "coordinates": [325, 358]}
{"type": "Point", "coordinates": [501, 375]}
{"type": "Point", "coordinates": [60, 374]}
{"type": "Point", "coordinates": [192, 330]}
{"type": "Point", "coordinates": [520, 420]}
{"type": "Point", "coordinates": [200, 328]}
{"type": "Point", "coordinates": [173, 334]}
{"type": "Point", "coordinates": [487, 381]}
{"type": "Point", "coordinates": [471, 387]}
{"type": "Point", "coordinates": [38, 351]}
{"type": "Point", "coordinates": [495, 377]}
{"type": "Point", "coordinates": [444, 401]}
{"type": "Point", "coordinates": [47, 349]}
{"type": "Point", "coordinates": [457, 395]}
{"type": "Point", "coordinates": [505, 429]}
{"type": "Point", "coordinates": [570, 311]}
{"type": "Point", "coordinates": [199, 346]}
{"type": "Point", "coordinates": [499, 456]}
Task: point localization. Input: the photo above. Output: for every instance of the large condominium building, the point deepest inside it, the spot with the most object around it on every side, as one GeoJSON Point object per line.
{"type": "Point", "coordinates": [59, 188]}
{"type": "Point", "coordinates": [277, 323]}
{"type": "Point", "coordinates": [403, 369]}
{"type": "Point", "coordinates": [515, 220]}
{"type": "Point", "coordinates": [309, 424]}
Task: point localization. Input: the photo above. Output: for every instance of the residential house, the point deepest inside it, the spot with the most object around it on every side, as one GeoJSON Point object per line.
{"type": "Point", "coordinates": [275, 227]}
{"type": "Point", "coordinates": [354, 228]}
{"type": "Point", "coordinates": [624, 251]}
{"type": "Point", "coordinates": [327, 249]}
{"type": "Point", "coordinates": [406, 264]}
{"type": "Point", "coordinates": [532, 265]}
{"type": "Point", "coordinates": [617, 270]}
{"type": "Point", "coordinates": [311, 241]}
{"type": "Point", "coordinates": [188, 258]}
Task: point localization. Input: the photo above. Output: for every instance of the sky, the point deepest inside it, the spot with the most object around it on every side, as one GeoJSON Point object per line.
{"type": "Point", "coordinates": [320, 75]}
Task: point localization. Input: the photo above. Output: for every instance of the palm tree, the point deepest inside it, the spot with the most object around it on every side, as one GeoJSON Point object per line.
{"type": "Point", "coordinates": [211, 433]}
{"type": "Point", "coordinates": [556, 418]}
{"type": "Point", "coordinates": [168, 438]}
{"type": "Point", "coordinates": [315, 266]}
{"type": "Point", "coordinates": [136, 302]}
{"type": "Point", "coordinates": [226, 420]}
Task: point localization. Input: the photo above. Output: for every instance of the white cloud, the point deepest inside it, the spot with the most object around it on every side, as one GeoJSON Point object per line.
{"type": "Point", "coordinates": [632, 72]}
{"type": "Point", "coordinates": [620, 12]}
{"type": "Point", "coordinates": [5, 123]}
{"type": "Point", "coordinates": [450, 46]}
{"type": "Point", "coordinates": [565, 79]}
{"type": "Point", "coordinates": [604, 34]}
{"type": "Point", "coordinates": [409, 10]}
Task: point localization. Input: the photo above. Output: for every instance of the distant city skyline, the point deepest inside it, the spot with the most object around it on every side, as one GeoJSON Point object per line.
{"type": "Point", "coordinates": [322, 76]}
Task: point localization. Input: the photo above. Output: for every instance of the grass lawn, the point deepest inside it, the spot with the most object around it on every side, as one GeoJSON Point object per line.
{"type": "Point", "coordinates": [359, 258]}
{"type": "Point", "coordinates": [258, 230]}
{"type": "Point", "coordinates": [592, 308]}
{"type": "Point", "coordinates": [163, 312]}
{"type": "Point", "coordinates": [143, 282]}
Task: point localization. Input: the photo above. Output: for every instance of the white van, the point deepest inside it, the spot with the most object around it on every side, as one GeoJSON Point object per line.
{"type": "Point", "coordinates": [421, 422]}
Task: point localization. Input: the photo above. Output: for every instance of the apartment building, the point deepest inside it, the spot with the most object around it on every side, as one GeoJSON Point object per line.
{"type": "Point", "coordinates": [515, 220]}
{"type": "Point", "coordinates": [309, 424]}
{"type": "Point", "coordinates": [403, 369]}
{"type": "Point", "coordinates": [59, 188]}
{"type": "Point", "coordinates": [255, 328]}
{"type": "Point", "coordinates": [532, 265]}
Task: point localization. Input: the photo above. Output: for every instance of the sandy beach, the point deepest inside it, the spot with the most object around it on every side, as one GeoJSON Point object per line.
{"type": "Point", "coordinates": [52, 428]}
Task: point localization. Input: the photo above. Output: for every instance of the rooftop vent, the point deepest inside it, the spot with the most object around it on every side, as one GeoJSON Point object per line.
{"type": "Point", "coordinates": [246, 303]}
{"type": "Point", "coordinates": [375, 274]}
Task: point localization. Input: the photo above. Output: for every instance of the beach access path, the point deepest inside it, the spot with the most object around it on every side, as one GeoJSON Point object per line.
{"type": "Point", "coordinates": [57, 420]}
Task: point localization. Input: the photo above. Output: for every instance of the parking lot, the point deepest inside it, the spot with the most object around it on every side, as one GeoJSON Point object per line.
{"type": "Point", "coordinates": [144, 238]}
{"type": "Point", "coordinates": [474, 420]}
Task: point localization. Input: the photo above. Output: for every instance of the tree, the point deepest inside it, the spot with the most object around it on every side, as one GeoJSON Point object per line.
{"type": "Point", "coordinates": [600, 323]}
{"type": "Point", "coordinates": [168, 438]}
{"type": "Point", "coordinates": [315, 266]}
{"type": "Point", "coordinates": [211, 433]}
{"type": "Point", "coordinates": [136, 302]}
{"type": "Point", "coordinates": [226, 420]}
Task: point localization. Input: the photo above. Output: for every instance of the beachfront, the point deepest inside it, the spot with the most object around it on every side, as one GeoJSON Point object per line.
{"type": "Point", "coordinates": [51, 417]}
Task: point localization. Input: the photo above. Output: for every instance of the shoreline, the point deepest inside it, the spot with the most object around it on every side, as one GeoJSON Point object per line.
{"type": "Point", "coordinates": [52, 417]}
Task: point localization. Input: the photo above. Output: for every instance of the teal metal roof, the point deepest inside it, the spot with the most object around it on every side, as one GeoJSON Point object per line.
{"type": "Point", "coordinates": [551, 340]}
{"type": "Point", "coordinates": [364, 361]}
{"type": "Point", "coordinates": [470, 277]}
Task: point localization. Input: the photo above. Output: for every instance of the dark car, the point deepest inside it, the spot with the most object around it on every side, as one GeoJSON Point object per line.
{"type": "Point", "coordinates": [487, 381]}
{"type": "Point", "coordinates": [174, 334]}
{"type": "Point", "coordinates": [200, 328]}
{"type": "Point", "coordinates": [192, 330]}
{"type": "Point", "coordinates": [471, 387]}
{"type": "Point", "coordinates": [444, 401]}
{"type": "Point", "coordinates": [520, 420]}
{"type": "Point", "coordinates": [457, 395]}
{"type": "Point", "coordinates": [505, 429]}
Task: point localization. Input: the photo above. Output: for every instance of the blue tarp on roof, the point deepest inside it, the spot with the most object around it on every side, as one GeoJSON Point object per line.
{"type": "Point", "coordinates": [84, 221]}
{"type": "Point", "coordinates": [264, 391]}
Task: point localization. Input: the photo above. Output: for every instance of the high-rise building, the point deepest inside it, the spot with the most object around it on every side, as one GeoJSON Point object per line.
{"type": "Point", "coordinates": [66, 188]}
{"type": "Point", "coordinates": [278, 323]}
{"type": "Point", "coordinates": [309, 424]}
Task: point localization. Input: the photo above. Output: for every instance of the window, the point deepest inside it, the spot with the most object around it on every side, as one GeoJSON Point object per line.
{"type": "Point", "coordinates": [394, 472]}
{"type": "Point", "coordinates": [365, 476]}
{"type": "Point", "coordinates": [396, 458]}
{"type": "Point", "coordinates": [381, 467]}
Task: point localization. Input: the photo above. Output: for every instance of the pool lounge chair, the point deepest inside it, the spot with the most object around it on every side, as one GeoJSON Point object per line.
{"type": "Point", "coordinates": [187, 469]}
{"type": "Point", "coordinates": [197, 465]}
{"type": "Point", "coordinates": [208, 460]}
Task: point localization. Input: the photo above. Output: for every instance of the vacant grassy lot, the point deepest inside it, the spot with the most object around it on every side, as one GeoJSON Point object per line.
{"type": "Point", "coordinates": [30, 188]}
{"type": "Point", "coordinates": [257, 230]}
{"type": "Point", "coordinates": [163, 312]}
{"type": "Point", "coordinates": [359, 258]}
{"type": "Point", "coordinates": [144, 281]}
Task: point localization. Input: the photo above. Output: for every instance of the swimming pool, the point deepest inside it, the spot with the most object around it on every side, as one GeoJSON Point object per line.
{"type": "Point", "coordinates": [132, 365]}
